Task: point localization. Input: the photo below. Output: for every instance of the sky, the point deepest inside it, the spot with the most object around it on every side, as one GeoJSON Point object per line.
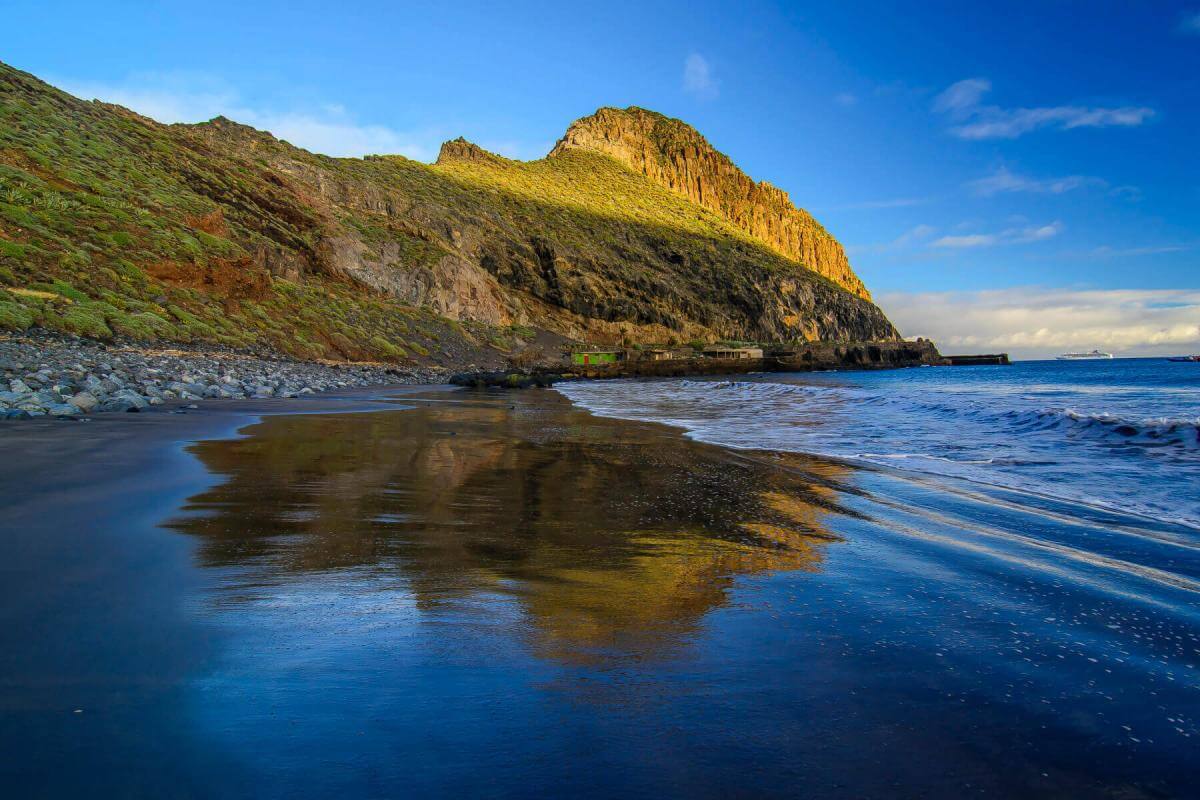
{"type": "Point", "coordinates": [1021, 178]}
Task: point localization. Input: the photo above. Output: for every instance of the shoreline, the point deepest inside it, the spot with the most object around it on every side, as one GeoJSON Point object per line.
{"type": "Point", "coordinates": [46, 374]}
{"type": "Point", "coordinates": [243, 411]}
{"type": "Point", "coordinates": [235, 544]}
{"type": "Point", "coordinates": [126, 440]}
{"type": "Point", "coordinates": [49, 375]}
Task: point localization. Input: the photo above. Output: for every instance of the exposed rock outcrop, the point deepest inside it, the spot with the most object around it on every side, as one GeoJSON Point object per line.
{"type": "Point", "coordinates": [462, 150]}
{"type": "Point", "coordinates": [673, 154]}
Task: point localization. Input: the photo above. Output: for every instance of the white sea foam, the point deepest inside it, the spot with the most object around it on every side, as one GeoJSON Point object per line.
{"type": "Point", "coordinates": [1127, 445]}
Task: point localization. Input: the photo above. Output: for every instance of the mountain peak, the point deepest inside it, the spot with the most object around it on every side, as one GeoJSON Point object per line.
{"type": "Point", "coordinates": [462, 150]}
{"type": "Point", "coordinates": [675, 155]}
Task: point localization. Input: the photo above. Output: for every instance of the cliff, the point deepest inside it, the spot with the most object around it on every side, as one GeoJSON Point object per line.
{"type": "Point", "coordinates": [112, 224]}
{"type": "Point", "coordinates": [672, 154]}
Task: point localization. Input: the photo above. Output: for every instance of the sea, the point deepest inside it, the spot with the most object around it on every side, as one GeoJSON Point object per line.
{"type": "Point", "coordinates": [1121, 435]}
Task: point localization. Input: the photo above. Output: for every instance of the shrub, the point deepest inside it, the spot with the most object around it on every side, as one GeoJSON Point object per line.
{"type": "Point", "coordinates": [523, 331]}
{"type": "Point", "coordinates": [61, 288]}
{"type": "Point", "coordinates": [127, 269]}
{"type": "Point", "coordinates": [191, 326]}
{"type": "Point", "coordinates": [217, 243]}
{"type": "Point", "coordinates": [14, 316]}
{"type": "Point", "coordinates": [145, 326]}
{"type": "Point", "coordinates": [386, 348]}
{"type": "Point", "coordinates": [86, 320]}
{"type": "Point", "coordinates": [343, 344]}
{"type": "Point", "coordinates": [11, 249]}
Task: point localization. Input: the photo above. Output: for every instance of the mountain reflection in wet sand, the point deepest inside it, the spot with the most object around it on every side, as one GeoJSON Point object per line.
{"type": "Point", "coordinates": [614, 539]}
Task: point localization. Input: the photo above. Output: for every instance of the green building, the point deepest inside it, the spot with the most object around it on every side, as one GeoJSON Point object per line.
{"type": "Point", "coordinates": [591, 357]}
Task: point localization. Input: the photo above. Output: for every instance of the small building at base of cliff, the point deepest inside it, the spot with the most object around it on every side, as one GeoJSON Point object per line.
{"type": "Point", "coordinates": [718, 351]}
{"type": "Point", "coordinates": [592, 357]}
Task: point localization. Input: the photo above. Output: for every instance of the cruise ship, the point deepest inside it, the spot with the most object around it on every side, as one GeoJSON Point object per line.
{"type": "Point", "coordinates": [1095, 355]}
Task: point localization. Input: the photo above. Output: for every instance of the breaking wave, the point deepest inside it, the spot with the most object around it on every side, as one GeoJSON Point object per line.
{"type": "Point", "coordinates": [1127, 445]}
{"type": "Point", "coordinates": [1183, 432]}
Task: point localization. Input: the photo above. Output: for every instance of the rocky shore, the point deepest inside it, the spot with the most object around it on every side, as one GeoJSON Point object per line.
{"type": "Point", "coordinates": [43, 374]}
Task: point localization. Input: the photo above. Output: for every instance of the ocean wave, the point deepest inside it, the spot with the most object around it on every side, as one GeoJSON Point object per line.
{"type": "Point", "coordinates": [1084, 447]}
{"type": "Point", "coordinates": [1181, 432]}
{"type": "Point", "coordinates": [1177, 432]}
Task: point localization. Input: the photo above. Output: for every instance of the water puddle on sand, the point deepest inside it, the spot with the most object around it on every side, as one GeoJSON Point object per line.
{"type": "Point", "coordinates": [611, 539]}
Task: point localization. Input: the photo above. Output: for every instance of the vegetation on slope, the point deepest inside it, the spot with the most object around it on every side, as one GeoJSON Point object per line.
{"type": "Point", "coordinates": [112, 224]}
{"type": "Point", "coordinates": [109, 225]}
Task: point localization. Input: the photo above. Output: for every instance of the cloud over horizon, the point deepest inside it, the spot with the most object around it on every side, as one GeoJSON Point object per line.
{"type": "Point", "coordinates": [962, 103]}
{"type": "Point", "coordinates": [195, 97]}
{"type": "Point", "coordinates": [1039, 322]}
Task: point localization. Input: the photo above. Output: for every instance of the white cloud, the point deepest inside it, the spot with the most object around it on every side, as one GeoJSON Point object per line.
{"type": "Point", "coordinates": [1106, 251]}
{"type": "Point", "coordinates": [194, 97]}
{"type": "Point", "coordinates": [1126, 193]}
{"type": "Point", "coordinates": [521, 151]}
{"type": "Point", "coordinates": [970, 240]}
{"type": "Point", "coordinates": [1004, 180]}
{"type": "Point", "coordinates": [915, 234]}
{"type": "Point", "coordinates": [1036, 234]}
{"type": "Point", "coordinates": [896, 202]}
{"type": "Point", "coordinates": [1015, 235]}
{"type": "Point", "coordinates": [962, 97]}
{"type": "Point", "coordinates": [845, 99]}
{"type": "Point", "coordinates": [912, 237]}
{"type": "Point", "coordinates": [166, 97]}
{"type": "Point", "coordinates": [698, 77]}
{"type": "Point", "coordinates": [1033, 322]}
{"type": "Point", "coordinates": [962, 103]}
{"type": "Point", "coordinates": [1190, 23]}
{"type": "Point", "coordinates": [341, 136]}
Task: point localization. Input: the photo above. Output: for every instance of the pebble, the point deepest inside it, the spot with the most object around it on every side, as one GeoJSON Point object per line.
{"type": "Point", "coordinates": [62, 376]}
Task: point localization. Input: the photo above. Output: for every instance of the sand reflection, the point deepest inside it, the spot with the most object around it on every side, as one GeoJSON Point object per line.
{"type": "Point", "coordinates": [614, 539]}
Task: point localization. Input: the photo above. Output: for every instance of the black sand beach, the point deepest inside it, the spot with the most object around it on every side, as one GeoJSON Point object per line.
{"type": "Point", "coordinates": [498, 594]}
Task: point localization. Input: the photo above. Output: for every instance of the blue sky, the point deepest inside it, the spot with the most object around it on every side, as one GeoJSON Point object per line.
{"type": "Point", "coordinates": [1022, 177]}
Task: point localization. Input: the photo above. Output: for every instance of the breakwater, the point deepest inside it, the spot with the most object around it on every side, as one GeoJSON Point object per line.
{"type": "Point", "coordinates": [987, 359]}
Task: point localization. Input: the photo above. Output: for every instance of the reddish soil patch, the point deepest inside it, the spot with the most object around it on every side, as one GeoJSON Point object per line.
{"type": "Point", "coordinates": [212, 223]}
{"type": "Point", "coordinates": [230, 278]}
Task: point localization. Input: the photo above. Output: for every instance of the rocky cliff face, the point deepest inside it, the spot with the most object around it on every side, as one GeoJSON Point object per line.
{"type": "Point", "coordinates": [113, 223]}
{"type": "Point", "coordinates": [672, 154]}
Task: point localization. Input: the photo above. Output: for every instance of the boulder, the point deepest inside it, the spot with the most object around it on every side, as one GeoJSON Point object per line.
{"type": "Point", "coordinates": [119, 404]}
{"type": "Point", "coordinates": [84, 401]}
{"type": "Point", "coordinates": [133, 397]}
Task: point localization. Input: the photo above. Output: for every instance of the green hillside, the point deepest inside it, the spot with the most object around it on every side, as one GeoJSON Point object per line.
{"type": "Point", "coordinates": [114, 225]}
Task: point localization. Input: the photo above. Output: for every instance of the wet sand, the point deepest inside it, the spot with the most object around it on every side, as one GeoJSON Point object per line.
{"type": "Point", "coordinates": [498, 594]}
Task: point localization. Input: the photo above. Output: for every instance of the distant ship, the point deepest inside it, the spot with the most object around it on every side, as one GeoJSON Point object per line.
{"type": "Point", "coordinates": [1183, 358]}
{"type": "Point", "coordinates": [1095, 355]}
